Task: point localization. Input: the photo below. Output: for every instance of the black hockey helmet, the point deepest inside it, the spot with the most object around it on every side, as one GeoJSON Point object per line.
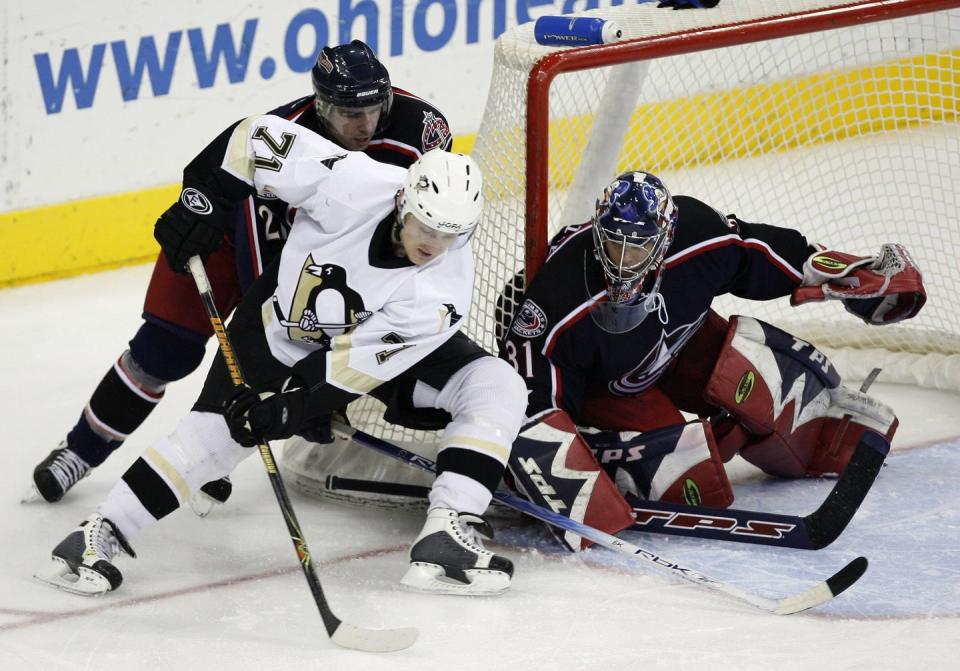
{"type": "Point", "coordinates": [349, 75]}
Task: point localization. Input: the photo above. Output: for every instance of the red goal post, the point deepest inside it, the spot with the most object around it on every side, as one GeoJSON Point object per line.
{"type": "Point", "coordinates": [839, 119]}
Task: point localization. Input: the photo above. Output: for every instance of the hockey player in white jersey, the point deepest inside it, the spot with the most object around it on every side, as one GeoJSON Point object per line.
{"type": "Point", "coordinates": [367, 298]}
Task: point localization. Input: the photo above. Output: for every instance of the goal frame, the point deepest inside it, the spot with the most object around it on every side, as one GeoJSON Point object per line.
{"type": "Point", "coordinates": [677, 43]}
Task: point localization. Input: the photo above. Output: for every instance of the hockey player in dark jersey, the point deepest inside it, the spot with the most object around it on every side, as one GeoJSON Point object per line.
{"type": "Point", "coordinates": [615, 334]}
{"type": "Point", "coordinates": [354, 105]}
{"type": "Point", "coordinates": [396, 247]}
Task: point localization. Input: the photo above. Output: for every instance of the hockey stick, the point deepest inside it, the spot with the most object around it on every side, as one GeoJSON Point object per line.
{"type": "Point", "coordinates": [809, 532]}
{"type": "Point", "coordinates": [342, 633]}
{"type": "Point", "coordinates": [815, 596]}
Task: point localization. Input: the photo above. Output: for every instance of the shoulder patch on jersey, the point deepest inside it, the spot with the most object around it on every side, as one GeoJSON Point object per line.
{"type": "Point", "coordinates": [530, 321]}
{"type": "Point", "coordinates": [435, 131]}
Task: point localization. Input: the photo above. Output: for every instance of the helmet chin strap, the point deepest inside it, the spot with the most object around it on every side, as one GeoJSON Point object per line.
{"type": "Point", "coordinates": [395, 232]}
{"type": "Point", "coordinates": [619, 318]}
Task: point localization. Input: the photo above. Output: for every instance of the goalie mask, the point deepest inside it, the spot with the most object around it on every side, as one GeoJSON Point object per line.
{"type": "Point", "coordinates": [632, 229]}
{"type": "Point", "coordinates": [350, 76]}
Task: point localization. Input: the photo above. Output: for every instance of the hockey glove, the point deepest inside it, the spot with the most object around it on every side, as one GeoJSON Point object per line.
{"type": "Point", "coordinates": [195, 224]}
{"type": "Point", "coordinates": [253, 417]}
{"type": "Point", "coordinates": [880, 289]}
{"type": "Point", "coordinates": [689, 4]}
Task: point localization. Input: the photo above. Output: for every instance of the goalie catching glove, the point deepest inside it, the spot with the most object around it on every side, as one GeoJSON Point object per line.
{"type": "Point", "coordinates": [880, 289]}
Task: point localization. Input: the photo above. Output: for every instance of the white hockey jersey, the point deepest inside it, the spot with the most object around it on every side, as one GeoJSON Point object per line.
{"type": "Point", "coordinates": [340, 289]}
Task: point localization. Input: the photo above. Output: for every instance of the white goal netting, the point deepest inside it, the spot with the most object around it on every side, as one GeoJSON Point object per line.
{"type": "Point", "coordinates": [851, 135]}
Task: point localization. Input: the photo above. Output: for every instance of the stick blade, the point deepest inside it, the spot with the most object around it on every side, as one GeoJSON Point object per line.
{"type": "Point", "coordinates": [824, 591]}
{"type": "Point", "coordinates": [374, 640]}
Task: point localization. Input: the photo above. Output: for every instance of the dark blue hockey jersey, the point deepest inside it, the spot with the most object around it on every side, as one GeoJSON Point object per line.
{"type": "Point", "coordinates": [557, 347]}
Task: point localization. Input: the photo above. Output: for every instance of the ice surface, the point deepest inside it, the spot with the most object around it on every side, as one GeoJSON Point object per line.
{"type": "Point", "coordinates": [226, 592]}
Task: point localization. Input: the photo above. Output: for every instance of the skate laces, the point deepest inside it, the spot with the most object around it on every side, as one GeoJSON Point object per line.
{"type": "Point", "coordinates": [475, 529]}
{"type": "Point", "coordinates": [67, 468]}
{"type": "Point", "coordinates": [102, 539]}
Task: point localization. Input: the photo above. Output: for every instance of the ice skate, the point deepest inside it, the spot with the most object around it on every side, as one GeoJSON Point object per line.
{"type": "Point", "coordinates": [81, 562]}
{"type": "Point", "coordinates": [214, 493]}
{"type": "Point", "coordinates": [54, 476]}
{"type": "Point", "coordinates": [448, 557]}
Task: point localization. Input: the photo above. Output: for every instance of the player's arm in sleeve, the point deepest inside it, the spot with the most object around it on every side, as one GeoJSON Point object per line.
{"type": "Point", "coordinates": [767, 260]}
{"type": "Point", "coordinates": [200, 218]}
{"type": "Point", "coordinates": [271, 155]}
{"type": "Point", "coordinates": [536, 352]}
{"type": "Point", "coordinates": [425, 126]}
{"type": "Point", "coordinates": [774, 262]}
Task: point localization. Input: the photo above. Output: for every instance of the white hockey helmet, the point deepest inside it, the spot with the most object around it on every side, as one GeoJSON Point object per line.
{"type": "Point", "coordinates": [444, 191]}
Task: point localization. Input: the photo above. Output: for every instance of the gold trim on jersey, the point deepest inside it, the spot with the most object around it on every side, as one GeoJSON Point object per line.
{"type": "Point", "coordinates": [340, 372]}
{"type": "Point", "coordinates": [236, 160]}
{"type": "Point", "coordinates": [168, 471]}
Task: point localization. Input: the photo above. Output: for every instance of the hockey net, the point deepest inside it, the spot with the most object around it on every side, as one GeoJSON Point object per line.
{"type": "Point", "coordinates": [841, 120]}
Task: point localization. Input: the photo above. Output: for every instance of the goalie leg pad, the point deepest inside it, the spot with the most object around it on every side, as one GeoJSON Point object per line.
{"type": "Point", "coordinates": [787, 394]}
{"type": "Point", "coordinates": [553, 467]}
{"type": "Point", "coordinates": [678, 464]}
{"type": "Point", "coordinates": [653, 409]}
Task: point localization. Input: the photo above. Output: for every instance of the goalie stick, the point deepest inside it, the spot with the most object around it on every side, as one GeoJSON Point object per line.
{"type": "Point", "coordinates": [814, 596]}
{"type": "Point", "coordinates": [809, 532]}
{"type": "Point", "coordinates": [342, 633]}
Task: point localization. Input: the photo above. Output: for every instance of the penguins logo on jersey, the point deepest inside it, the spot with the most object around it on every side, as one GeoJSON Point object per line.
{"type": "Point", "coordinates": [451, 311]}
{"type": "Point", "coordinates": [435, 131]}
{"type": "Point", "coordinates": [324, 306]}
{"type": "Point", "coordinates": [531, 320]}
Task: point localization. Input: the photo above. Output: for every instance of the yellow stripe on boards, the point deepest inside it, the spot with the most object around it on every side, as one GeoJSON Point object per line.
{"type": "Point", "coordinates": [106, 232]}
{"type": "Point", "coordinates": [91, 235]}
{"type": "Point", "coordinates": [778, 116]}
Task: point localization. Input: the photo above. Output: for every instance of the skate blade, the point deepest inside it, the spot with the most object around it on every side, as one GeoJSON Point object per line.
{"type": "Point", "coordinates": [202, 504]}
{"type": "Point", "coordinates": [431, 578]}
{"type": "Point", "coordinates": [86, 582]}
{"type": "Point", "coordinates": [32, 495]}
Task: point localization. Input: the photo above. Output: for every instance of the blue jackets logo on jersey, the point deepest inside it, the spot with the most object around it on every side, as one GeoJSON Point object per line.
{"type": "Point", "coordinates": [530, 321]}
{"type": "Point", "coordinates": [435, 131]}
